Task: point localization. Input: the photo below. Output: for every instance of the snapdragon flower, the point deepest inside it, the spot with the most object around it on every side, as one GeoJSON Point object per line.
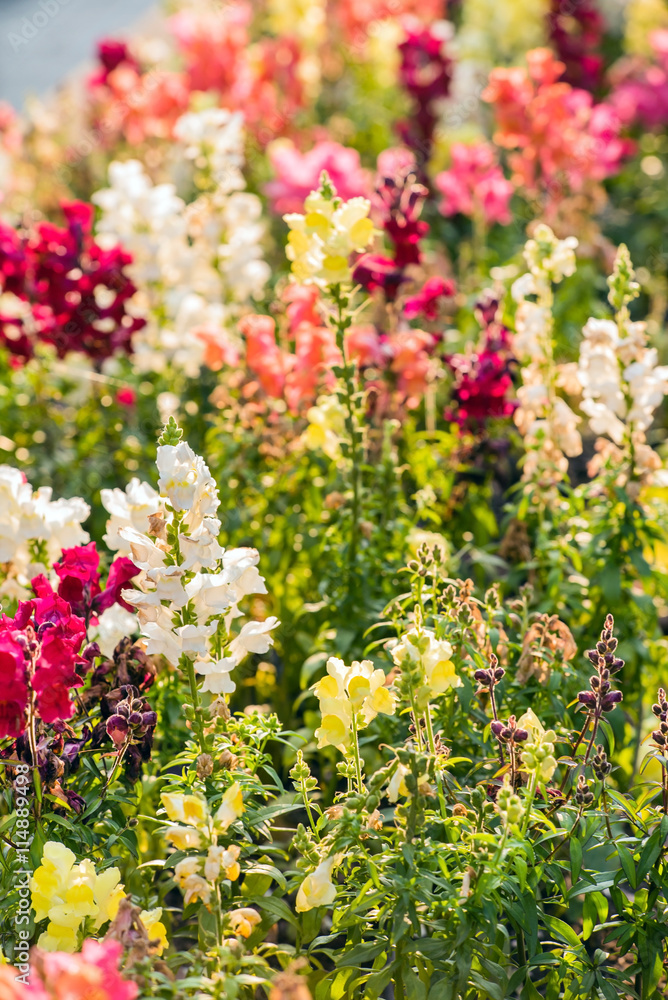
{"type": "Point", "coordinates": [191, 587]}
{"type": "Point", "coordinates": [350, 698]}
{"type": "Point", "coordinates": [321, 241]}
{"type": "Point", "coordinates": [420, 647]}
{"type": "Point", "coordinates": [544, 418]}
{"type": "Point", "coordinates": [317, 889]}
{"type": "Point", "coordinates": [68, 894]}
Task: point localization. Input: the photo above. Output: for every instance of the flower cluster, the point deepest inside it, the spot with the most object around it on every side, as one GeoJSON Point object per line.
{"type": "Point", "coordinates": [549, 426]}
{"type": "Point", "coordinates": [299, 173]}
{"type": "Point", "coordinates": [70, 895]}
{"type": "Point", "coordinates": [622, 385]}
{"type": "Point", "coordinates": [564, 139]}
{"type": "Point", "coordinates": [321, 241]}
{"type": "Point", "coordinates": [191, 587]}
{"type": "Point", "coordinates": [433, 657]}
{"type": "Point", "coordinates": [425, 72]}
{"type": "Point", "coordinates": [195, 264]}
{"type": "Point", "coordinates": [60, 286]}
{"type": "Point", "coordinates": [483, 380]}
{"type": "Point", "coordinates": [350, 697]}
{"type": "Point", "coordinates": [195, 829]}
{"type": "Point", "coordinates": [93, 971]}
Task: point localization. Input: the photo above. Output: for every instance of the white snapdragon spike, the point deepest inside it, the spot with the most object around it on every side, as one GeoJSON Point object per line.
{"type": "Point", "coordinates": [112, 626]}
{"type": "Point", "coordinates": [129, 508]}
{"type": "Point", "coordinates": [544, 418]}
{"type": "Point", "coordinates": [622, 385]}
{"type": "Point", "coordinates": [34, 527]}
{"type": "Point", "coordinates": [196, 265]}
{"type": "Point", "coordinates": [188, 595]}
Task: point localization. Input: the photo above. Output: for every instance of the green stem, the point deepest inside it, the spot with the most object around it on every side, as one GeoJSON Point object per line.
{"type": "Point", "coordinates": [356, 754]}
{"type": "Point", "coordinates": [197, 708]}
{"type": "Point", "coordinates": [432, 748]}
{"type": "Point", "coordinates": [342, 324]}
{"type": "Point", "coordinates": [309, 812]}
{"type": "Point", "coordinates": [530, 798]}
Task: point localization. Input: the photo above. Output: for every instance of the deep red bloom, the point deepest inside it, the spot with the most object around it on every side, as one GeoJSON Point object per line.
{"type": "Point", "coordinates": [425, 302]}
{"type": "Point", "coordinates": [126, 397]}
{"type": "Point", "coordinates": [425, 72]}
{"type": "Point", "coordinates": [576, 30]}
{"type": "Point", "coordinates": [111, 53]}
{"type": "Point", "coordinates": [13, 685]}
{"type": "Point", "coordinates": [374, 270]}
{"type": "Point", "coordinates": [62, 276]}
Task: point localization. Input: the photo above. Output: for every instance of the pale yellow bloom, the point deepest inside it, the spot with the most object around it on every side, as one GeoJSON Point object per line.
{"type": "Point", "coordinates": [243, 921]}
{"type": "Point", "coordinates": [358, 690]}
{"type": "Point", "coordinates": [223, 859]}
{"type": "Point", "coordinates": [318, 889]}
{"type": "Point", "coordinates": [190, 809]}
{"type": "Point", "coordinates": [156, 930]}
{"type": "Point", "coordinates": [434, 656]}
{"type": "Point", "coordinates": [184, 838]}
{"type": "Point", "coordinates": [231, 807]}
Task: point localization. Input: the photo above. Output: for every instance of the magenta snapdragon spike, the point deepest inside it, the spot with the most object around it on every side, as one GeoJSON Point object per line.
{"type": "Point", "coordinates": [483, 381]}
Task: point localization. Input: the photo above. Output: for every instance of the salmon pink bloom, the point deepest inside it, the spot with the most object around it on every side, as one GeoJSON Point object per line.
{"type": "Point", "coordinates": [297, 174]}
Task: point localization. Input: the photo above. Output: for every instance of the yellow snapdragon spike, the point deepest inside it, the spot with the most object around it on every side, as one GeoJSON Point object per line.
{"type": "Point", "coordinates": [58, 938]}
{"type": "Point", "coordinates": [359, 688]}
{"type": "Point", "coordinates": [156, 930]}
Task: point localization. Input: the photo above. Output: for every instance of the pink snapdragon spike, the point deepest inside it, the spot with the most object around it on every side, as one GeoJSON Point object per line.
{"type": "Point", "coordinates": [639, 94]}
{"type": "Point", "coordinates": [474, 185]}
{"type": "Point", "coordinates": [576, 32]}
{"type": "Point", "coordinates": [92, 973]}
{"type": "Point", "coordinates": [561, 139]}
{"type": "Point", "coordinates": [297, 174]}
{"type": "Point", "coordinates": [56, 271]}
{"type": "Point", "coordinates": [483, 382]}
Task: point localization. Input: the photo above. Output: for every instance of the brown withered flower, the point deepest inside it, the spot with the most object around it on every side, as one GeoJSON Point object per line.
{"type": "Point", "coordinates": [547, 642]}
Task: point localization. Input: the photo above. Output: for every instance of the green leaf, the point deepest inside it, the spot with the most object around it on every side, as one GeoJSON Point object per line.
{"type": "Point", "coordinates": [650, 853]}
{"type": "Point", "coordinates": [576, 858]}
{"type": "Point", "coordinates": [626, 861]}
{"type": "Point", "coordinates": [562, 931]}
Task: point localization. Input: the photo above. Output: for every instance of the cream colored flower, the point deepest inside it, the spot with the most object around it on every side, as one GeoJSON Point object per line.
{"type": "Point", "coordinates": [190, 809]}
{"type": "Point", "coordinates": [318, 889]}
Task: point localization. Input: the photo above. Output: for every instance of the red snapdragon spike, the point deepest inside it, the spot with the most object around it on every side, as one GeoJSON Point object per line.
{"type": "Point", "coordinates": [122, 571]}
{"type": "Point", "coordinates": [13, 685]}
{"type": "Point", "coordinates": [80, 562]}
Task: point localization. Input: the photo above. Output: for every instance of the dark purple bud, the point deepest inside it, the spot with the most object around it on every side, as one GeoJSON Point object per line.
{"type": "Point", "coordinates": [135, 718]}
{"type": "Point", "coordinates": [482, 676]}
{"type": "Point", "coordinates": [499, 674]}
{"type": "Point", "coordinates": [593, 656]}
{"type": "Point", "coordinates": [497, 728]}
{"type": "Point", "coordinates": [594, 681]}
{"type": "Point", "coordinates": [506, 733]}
{"type": "Point", "coordinates": [611, 700]}
{"type": "Point", "coordinates": [605, 687]}
{"type": "Point", "coordinates": [91, 651]}
{"type": "Point", "coordinates": [137, 704]}
{"type": "Point", "coordinates": [117, 729]}
{"type": "Point", "coordinates": [659, 738]}
{"type": "Point", "coordinates": [150, 719]}
{"type": "Point", "coordinates": [521, 734]}
{"type": "Point", "coordinates": [657, 710]}
{"type": "Point", "coordinates": [616, 665]}
{"type": "Point", "coordinates": [122, 709]}
{"type": "Point", "coordinates": [602, 648]}
{"type": "Point", "coordinates": [587, 698]}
